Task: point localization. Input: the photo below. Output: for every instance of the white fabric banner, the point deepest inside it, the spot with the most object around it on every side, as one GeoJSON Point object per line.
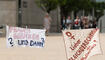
{"type": "Point", "coordinates": [22, 37]}
{"type": "Point", "coordinates": [81, 44]}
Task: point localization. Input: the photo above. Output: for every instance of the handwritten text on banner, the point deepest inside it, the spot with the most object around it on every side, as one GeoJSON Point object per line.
{"type": "Point", "coordinates": [81, 44]}
{"type": "Point", "coordinates": [22, 37]}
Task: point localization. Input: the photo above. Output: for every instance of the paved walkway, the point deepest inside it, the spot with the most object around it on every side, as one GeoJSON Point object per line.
{"type": "Point", "coordinates": [53, 50]}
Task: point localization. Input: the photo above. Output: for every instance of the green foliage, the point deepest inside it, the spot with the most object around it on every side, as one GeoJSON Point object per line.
{"type": "Point", "coordinates": [75, 5]}
{"type": "Point", "coordinates": [99, 9]}
{"type": "Point", "coordinates": [47, 5]}
{"type": "Point", "coordinates": [61, 2]}
{"type": "Point", "coordinates": [67, 6]}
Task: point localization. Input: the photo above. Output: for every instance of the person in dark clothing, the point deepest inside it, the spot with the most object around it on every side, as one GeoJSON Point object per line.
{"type": "Point", "coordinates": [94, 24]}
{"type": "Point", "coordinates": [64, 23]}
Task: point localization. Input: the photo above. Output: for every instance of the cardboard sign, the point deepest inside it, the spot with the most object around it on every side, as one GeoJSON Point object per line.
{"type": "Point", "coordinates": [22, 37]}
{"type": "Point", "coordinates": [81, 44]}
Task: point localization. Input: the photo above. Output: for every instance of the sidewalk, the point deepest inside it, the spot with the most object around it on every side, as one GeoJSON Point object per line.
{"type": "Point", "coordinates": [54, 50]}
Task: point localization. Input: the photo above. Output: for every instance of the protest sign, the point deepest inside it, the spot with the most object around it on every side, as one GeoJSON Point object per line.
{"type": "Point", "coordinates": [81, 44]}
{"type": "Point", "coordinates": [23, 37]}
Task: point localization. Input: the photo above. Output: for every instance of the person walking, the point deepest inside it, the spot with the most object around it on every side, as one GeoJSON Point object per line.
{"type": "Point", "coordinates": [47, 23]}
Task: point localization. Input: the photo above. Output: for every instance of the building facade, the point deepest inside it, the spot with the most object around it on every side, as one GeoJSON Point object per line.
{"type": "Point", "coordinates": [26, 13]}
{"type": "Point", "coordinates": [32, 16]}
{"type": "Point", "coordinates": [8, 12]}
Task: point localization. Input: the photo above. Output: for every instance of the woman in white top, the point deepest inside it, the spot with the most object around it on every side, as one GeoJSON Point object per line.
{"type": "Point", "coordinates": [47, 22]}
{"type": "Point", "coordinates": [69, 22]}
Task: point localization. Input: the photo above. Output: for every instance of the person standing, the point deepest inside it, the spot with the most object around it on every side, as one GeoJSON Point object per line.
{"type": "Point", "coordinates": [47, 23]}
{"type": "Point", "coordinates": [77, 23]}
{"type": "Point", "coordinates": [69, 23]}
{"type": "Point", "coordinates": [85, 22]}
{"type": "Point", "coordinates": [90, 24]}
{"type": "Point", "coordinates": [64, 23]}
{"type": "Point", "coordinates": [94, 24]}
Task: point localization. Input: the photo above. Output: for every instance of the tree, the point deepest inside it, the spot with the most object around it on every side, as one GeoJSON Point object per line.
{"type": "Point", "coordinates": [66, 6]}
{"type": "Point", "coordinates": [87, 5]}
{"type": "Point", "coordinates": [74, 5]}
{"type": "Point", "coordinates": [47, 5]}
{"type": "Point", "coordinates": [99, 9]}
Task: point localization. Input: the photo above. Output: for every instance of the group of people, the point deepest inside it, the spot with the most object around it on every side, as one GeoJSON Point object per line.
{"type": "Point", "coordinates": [83, 23]}
{"type": "Point", "coordinates": [68, 23]}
